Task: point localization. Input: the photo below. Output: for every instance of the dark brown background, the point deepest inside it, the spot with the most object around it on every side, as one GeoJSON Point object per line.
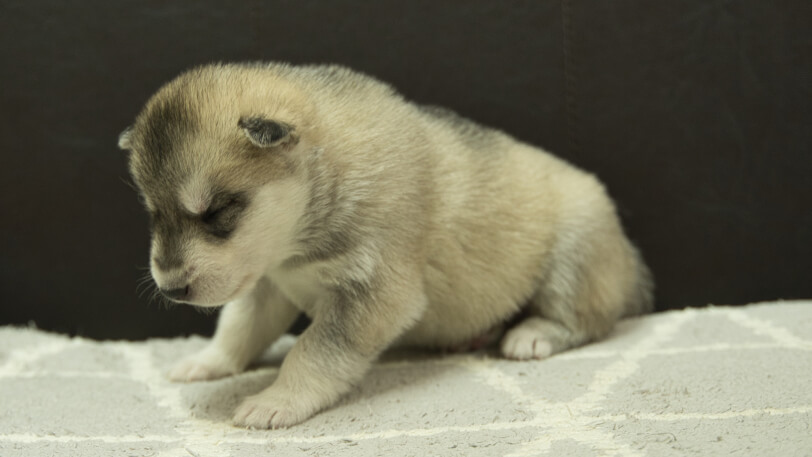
{"type": "Point", "coordinates": [696, 114]}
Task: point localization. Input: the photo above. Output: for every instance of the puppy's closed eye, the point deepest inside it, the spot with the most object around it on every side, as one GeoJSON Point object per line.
{"type": "Point", "coordinates": [222, 215]}
{"type": "Point", "coordinates": [213, 214]}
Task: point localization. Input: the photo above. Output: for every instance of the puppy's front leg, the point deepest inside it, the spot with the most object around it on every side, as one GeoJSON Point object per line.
{"type": "Point", "coordinates": [333, 354]}
{"type": "Point", "coordinates": [244, 330]}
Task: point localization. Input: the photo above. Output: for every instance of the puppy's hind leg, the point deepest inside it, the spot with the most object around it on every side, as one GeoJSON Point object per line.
{"type": "Point", "coordinates": [537, 338]}
{"type": "Point", "coordinates": [583, 294]}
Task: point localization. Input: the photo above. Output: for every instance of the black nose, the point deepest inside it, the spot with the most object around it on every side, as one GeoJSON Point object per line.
{"type": "Point", "coordinates": [176, 294]}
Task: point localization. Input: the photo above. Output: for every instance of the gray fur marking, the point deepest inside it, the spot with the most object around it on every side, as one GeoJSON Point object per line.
{"type": "Point", "coordinates": [265, 133]}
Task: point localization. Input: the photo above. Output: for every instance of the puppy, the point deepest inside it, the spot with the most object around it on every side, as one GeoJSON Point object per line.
{"type": "Point", "coordinates": [280, 189]}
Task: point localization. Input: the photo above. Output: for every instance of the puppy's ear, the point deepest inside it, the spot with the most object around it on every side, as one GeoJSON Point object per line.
{"type": "Point", "coordinates": [124, 139]}
{"type": "Point", "coordinates": [266, 133]}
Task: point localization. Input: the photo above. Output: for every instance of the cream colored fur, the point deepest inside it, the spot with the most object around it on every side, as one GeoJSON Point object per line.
{"type": "Point", "coordinates": [386, 222]}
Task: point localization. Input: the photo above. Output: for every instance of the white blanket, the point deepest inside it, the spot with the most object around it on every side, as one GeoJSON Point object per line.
{"type": "Point", "coordinates": [709, 381]}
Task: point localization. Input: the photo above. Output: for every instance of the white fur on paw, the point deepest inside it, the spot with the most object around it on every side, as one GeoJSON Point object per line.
{"type": "Point", "coordinates": [272, 408]}
{"type": "Point", "coordinates": [525, 344]}
{"type": "Point", "coordinates": [202, 366]}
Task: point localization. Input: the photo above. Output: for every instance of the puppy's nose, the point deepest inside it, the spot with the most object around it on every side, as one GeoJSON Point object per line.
{"type": "Point", "coordinates": [176, 294]}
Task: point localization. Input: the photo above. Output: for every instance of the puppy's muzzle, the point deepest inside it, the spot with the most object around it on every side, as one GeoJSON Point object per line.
{"type": "Point", "coordinates": [176, 294]}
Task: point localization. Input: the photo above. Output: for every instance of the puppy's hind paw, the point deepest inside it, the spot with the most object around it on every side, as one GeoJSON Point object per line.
{"type": "Point", "coordinates": [524, 344]}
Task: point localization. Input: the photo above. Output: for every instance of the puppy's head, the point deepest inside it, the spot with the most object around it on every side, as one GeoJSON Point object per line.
{"type": "Point", "coordinates": [214, 156]}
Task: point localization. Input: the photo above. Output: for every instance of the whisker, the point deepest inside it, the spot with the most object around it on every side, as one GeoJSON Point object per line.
{"type": "Point", "coordinates": [207, 310]}
{"type": "Point", "coordinates": [144, 278]}
{"type": "Point", "coordinates": [142, 289]}
{"type": "Point", "coordinates": [156, 297]}
{"type": "Point", "coordinates": [164, 302]}
{"type": "Point", "coordinates": [143, 284]}
{"type": "Point", "coordinates": [128, 183]}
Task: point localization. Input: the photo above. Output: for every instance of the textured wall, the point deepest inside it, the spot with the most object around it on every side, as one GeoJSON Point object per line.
{"type": "Point", "coordinates": [695, 113]}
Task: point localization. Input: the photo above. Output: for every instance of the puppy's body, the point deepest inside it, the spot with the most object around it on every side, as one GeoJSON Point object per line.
{"type": "Point", "coordinates": [284, 189]}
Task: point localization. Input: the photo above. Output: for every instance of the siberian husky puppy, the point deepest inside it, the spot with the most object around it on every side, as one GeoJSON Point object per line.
{"type": "Point", "coordinates": [280, 189]}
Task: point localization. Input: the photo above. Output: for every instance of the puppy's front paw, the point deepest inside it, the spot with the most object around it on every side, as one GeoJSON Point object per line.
{"type": "Point", "coordinates": [202, 366]}
{"type": "Point", "coordinates": [274, 407]}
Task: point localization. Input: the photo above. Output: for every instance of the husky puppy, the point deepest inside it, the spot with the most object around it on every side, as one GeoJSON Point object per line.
{"type": "Point", "coordinates": [280, 189]}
